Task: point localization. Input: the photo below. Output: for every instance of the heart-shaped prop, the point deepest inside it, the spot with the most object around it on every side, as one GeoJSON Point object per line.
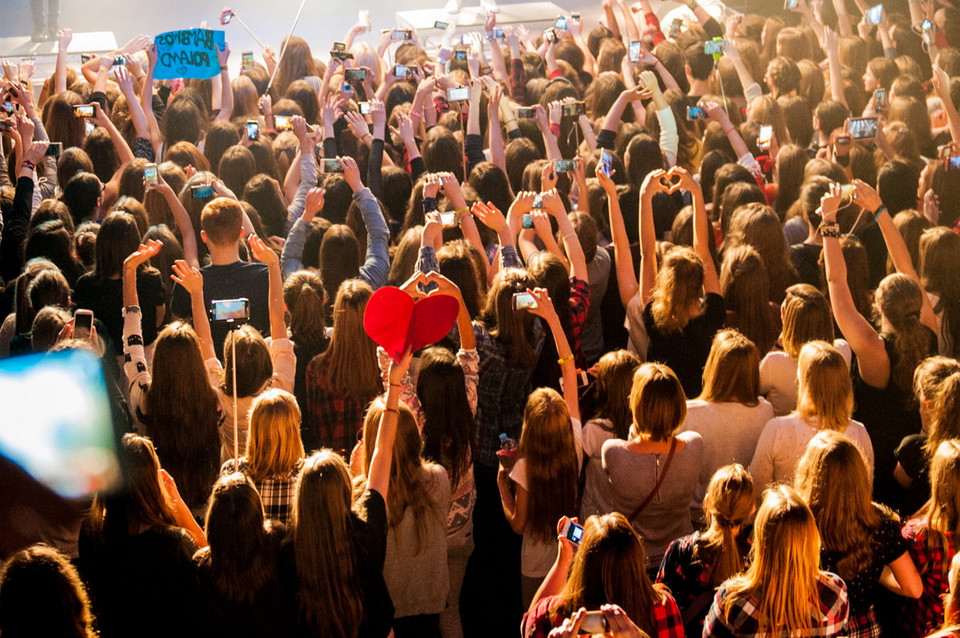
{"type": "Point", "coordinates": [396, 323]}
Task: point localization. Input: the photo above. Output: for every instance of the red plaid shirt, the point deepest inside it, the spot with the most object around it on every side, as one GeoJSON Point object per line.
{"type": "Point", "coordinates": [924, 615]}
{"type": "Point", "coordinates": [330, 421]}
{"type": "Point", "coordinates": [544, 617]}
{"type": "Point", "coordinates": [743, 622]}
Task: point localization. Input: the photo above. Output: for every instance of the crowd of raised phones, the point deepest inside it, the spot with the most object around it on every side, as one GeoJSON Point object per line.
{"type": "Point", "coordinates": [703, 378]}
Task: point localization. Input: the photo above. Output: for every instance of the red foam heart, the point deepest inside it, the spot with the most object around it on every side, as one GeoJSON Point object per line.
{"type": "Point", "coordinates": [396, 323]}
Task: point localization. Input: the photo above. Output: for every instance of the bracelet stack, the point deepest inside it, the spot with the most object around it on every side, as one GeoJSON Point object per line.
{"type": "Point", "coordinates": [829, 230]}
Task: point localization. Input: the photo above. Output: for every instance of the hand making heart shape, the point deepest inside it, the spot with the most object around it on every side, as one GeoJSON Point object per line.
{"type": "Point", "coordinates": [669, 181]}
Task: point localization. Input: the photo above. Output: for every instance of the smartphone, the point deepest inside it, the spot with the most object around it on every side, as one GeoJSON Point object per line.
{"type": "Point", "coordinates": [70, 444]}
{"type": "Point", "coordinates": [790, 5]}
{"type": "Point", "coordinates": [863, 128]}
{"type": "Point", "coordinates": [525, 113]}
{"type": "Point", "coordinates": [364, 108]}
{"type": "Point", "coordinates": [282, 123]}
{"type": "Point", "coordinates": [561, 23]}
{"type": "Point", "coordinates": [328, 165]}
{"type": "Point", "coordinates": [880, 100]}
{"type": "Point", "coordinates": [953, 162]}
{"type": "Point", "coordinates": [401, 71]}
{"type": "Point", "coordinates": [527, 220]}
{"type": "Point", "coordinates": [498, 33]}
{"type": "Point", "coordinates": [230, 310]}
{"type": "Point", "coordinates": [676, 27]}
{"type": "Point", "coordinates": [573, 532]}
{"type": "Point", "coordinates": [119, 60]}
{"type": "Point", "coordinates": [537, 202]}
{"type": "Point", "coordinates": [201, 191]}
{"type": "Point", "coordinates": [572, 109]}
{"type": "Point", "coordinates": [82, 324]}
{"type": "Point", "coordinates": [715, 47]}
{"type": "Point", "coordinates": [696, 113]}
{"type": "Point", "coordinates": [83, 110]}
{"type": "Point", "coordinates": [564, 166]}
{"type": "Point", "coordinates": [339, 46]}
{"type": "Point", "coordinates": [524, 301]}
{"type": "Point", "coordinates": [341, 55]}
{"type": "Point", "coordinates": [9, 107]}
{"type": "Point", "coordinates": [460, 55]}
{"type": "Point", "coordinates": [247, 61]}
{"type": "Point", "coordinates": [54, 149]}
{"type": "Point", "coordinates": [849, 191]}
{"type": "Point", "coordinates": [875, 14]}
{"type": "Point", "coordinates": [355, 75]}
{"type": "Point", "coordinates": [85, 57]}
{"type": "Point", "coordinates": [401, 34]}
{"type": "Point", "coordinates": [151, 175]}
{"type": "Point", "coordinates": [441, 25]}
{"type": "Point", "coordinates": [466, 40]}
{"type": "Point", "coordinates": [550, 35]}
{"type": "Point", "coordinates": [458, 94]}
{"type": "Point", "coordinates": [765, 137]}
{"type": "Point", "coordinates": [635, 49]}
{"type": "Point", "coordinates": [253, 130]}
{"type": "Point", "coordinates": [606, 162]}
{"type": "Point", "coordinates": [226, 16]}
{"type": "Point", "coordinates": [594, 622]}
{"type": "Point", "coordinates": [926, 25]}
{"type": "Point", "coordinates": [448, 220]}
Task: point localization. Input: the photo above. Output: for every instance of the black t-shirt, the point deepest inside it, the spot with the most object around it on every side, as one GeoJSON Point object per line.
{"type": "Point", "coordinates": [368, 530]}
{"type": "Point", "coordinates": [806, 259]}
{"type": "Point", "coordinates": [141, 585]}
{"type": "Point", "coordinates": [232, 281]}
{"type": "Point", "coordinates": [913, 459]}
{"type": "Point", "coordinates": [686, 351]}
{"type": "Point", "coordinates": [105, 298]}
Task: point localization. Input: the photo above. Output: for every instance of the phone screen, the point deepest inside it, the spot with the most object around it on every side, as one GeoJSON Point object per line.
{"type": "Point", "coordinates": [875, 14]}
{"type": "Point", "coordinates": [696, 113]}
{"type": "Point", "coordinates": [330, 166]}
{"type": "Point", "coordinates": [525, 113]}
{"type": "Point", "coordinates": [564, 166]}
{"type": "Point", "coordinates": [201, 191]}
{"type": "Point", "coordinates": [527, 220]}
{"type": "Point", "coordinates": [561, 23]}
{"type": "Point", "coordinates": [524, 301]}
{"type": "Point", "coordinates": [574, 532]}
{"type": "Point", "coordinates": [151, 175]}
{"type": "Point", "coordinates": [247, 63]}
{"type": "Point", "coordinates": [82, 324]}
{"type": "Point", "coordinates": [606, 162]}
{"type": "Point", "coordinates": [448, 220]}
{"type": "Point", "coordinates": [67, 444]}
{"type": "Point", "coordinates": [635, 51]}
{"type": "Point", "coordinates": [765, 137]}
{"type": "Point", "coordinates": [253, 130]}
{"type": "Point", "coordinates": [863, 128]}
{"type": "Point", "coordinates": [458, 94]}
{"type": "Point", "coordinates": [282, 123]}
{"type": "Point", "coordinates": [230, 309]}
{"type": "Point", "coordinates": [83, 110]}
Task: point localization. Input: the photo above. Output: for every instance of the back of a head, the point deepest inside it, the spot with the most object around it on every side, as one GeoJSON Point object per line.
{"type": "Point", "coordinates": [897, 185]}
{"type": "Point", "coordinates": [72, 161]}
{"type": "Point", "coordinates": [441, 152]}
{"type": "Point", "coordinates": [899, 299]}
{"type": "Point", "coordinates": [222, 221]}
{"type": "Point", "coordinates": [825, 391]}
{"type": "Point", "coordinates": [263, 192]}
{"type": "Point", "coordinates": [303, 293]}
{"type": "Point", "coordinates": [273, 444]}
{"type": "Point", "coordinates": [117, 239]}
{"type": "Point", "coordinates": [806, 317]}
{"type": "Point", "coordinates": [236, 167]}
{"type": "Point", "coordinates": [339, 258]}
{"type": "Point", "coordinates": [732, 371]}
{"type": "Point", "coordinates": [942, 509]}
{"type": "Point", "coordinates": [657, 402]}
{"type": "Point", "coordinates": [728, 504]}
{"type": "Point", "coordinates": [700, 64]}
{"type": "Point", "coordinates": [222, 135]}
{"type": "Point", "coordinates": [82, 195]}
{"type": "Point", "coordinates": [183, 120]}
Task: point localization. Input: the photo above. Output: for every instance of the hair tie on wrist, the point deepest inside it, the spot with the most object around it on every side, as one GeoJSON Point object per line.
{"type": "Point", "coordinates": [563, 360]}
{"type": "Point", "coordinates": [878, 212]}
{"type": "Point", "coordinates": [394, 410]}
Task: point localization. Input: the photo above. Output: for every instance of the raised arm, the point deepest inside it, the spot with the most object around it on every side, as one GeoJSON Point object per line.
{"type": "Point", "coordinates": [192, 281]}
{"type": "Point", "coordinates": [648, 238]}
{"type": "Point", "coordinates": [226, 91]}
{"type": "Point", "coordinates": [188, 236]}
{"type": "Point", "coordinates": [292, 255]}
{"type": "Point", "coordinates": [376, 263]}
{"type": "Point", "coordinates": [549, 139]}
{"type": "Point", "coordinates": [137, 116]}
{"type": "Point", "coordinates": [701, 231]}
{"type": "Point", "coordinates": [378, 474]}
{"type": "Point", "coordinates": [262, 253]}
{"type": "Point", "coordinates": [464, 323]}
{"type": "Point", "coordinates": [622, 257]}
{"type": "Point", "coordinates": [828, 42]}
{"type": "Point", "coordinates": [568, 368]}
{"type": "Point", "coordinates": [571, 241]}
{"type": "Point", "coordinates": [119, 143]}
{"type": "Point", "coordinates": [146, 98]}
{"type": "Point", "coordinates": [64, 36]}
{"type": "Point", "coordinates": [874, 364]}
{"type": "Point", "coordinates": [941, 84]}
{"type": "Point", "coordinates": [612, 122]}
{"type": "Point", "coordinates": [669, 138]}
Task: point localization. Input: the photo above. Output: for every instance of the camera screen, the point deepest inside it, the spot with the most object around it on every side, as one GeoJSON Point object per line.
{"type": "Point", "coordinates": [201, 192]}
{"type": "Point", "coordinates": [564, 166]}
{"type": "Point", "coordinates": [862, 128]}
{"type": "Point", "coordinates": [150, 174]}
{"type": "Point", "coordinates": [524, 301]}
{"type": "Point", "coordinates": [458, 94]}
{"type": "Point", "coordinates": [331, 166]}
{"type": "Point", "coordinates": [229, 309]}
{"type": "Point", "coordinates": [283, 123]}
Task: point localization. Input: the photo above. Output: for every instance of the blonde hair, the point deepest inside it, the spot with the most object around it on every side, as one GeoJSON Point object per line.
{"type": "Point", "coordinates": [273, 441]}
{"type": "Point", "coordinates": [728, 503]}
{"type": "Point", "coordinates": [832, 477]}
{"type": "Point", "coordinates": [657, 402]}
{"type": "Point", "coordinates": [732, 371]}
{"type": "Point", "coordinates": [353, 371]}
{"type": "Point", "coordinates": [806, 317]}
{"type": "Point", "coordinates": [679, 287]}
{"type": "Point", "coordinates": [784, 567]}
{"type": "Point", "coordinates": [825, 393]}
{"type": "Point", "coordinates": [942, 510]}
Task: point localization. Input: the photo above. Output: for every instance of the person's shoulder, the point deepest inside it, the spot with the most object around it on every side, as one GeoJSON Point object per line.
{"type": "Point", "coordinates": [830, 582]}
{"type": "Point", "coordinates": [692, 440]}
{"type": "Point", "coordinates": [614, 446]}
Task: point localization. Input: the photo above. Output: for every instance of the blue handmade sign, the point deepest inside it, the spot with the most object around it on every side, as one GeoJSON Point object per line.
{"type": "Point", "coordinates": [191, 53]}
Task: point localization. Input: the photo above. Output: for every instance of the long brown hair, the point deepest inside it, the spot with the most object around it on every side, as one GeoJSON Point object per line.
{"type": "Point", "coordinates": [273, 443]}
{"type": "Point", "coordinates": [328, 584]}
{"type": "Point", "coordinates": [832, 478]}
{"type": "Point", "coordinates": [303, 293]}
{"type": "Point", "coordinates": [745, 287]}
{"type": "Point", "coordinates": [407, 493]}
{"type": "Point", "coordinates": [657, 402]}
{"type": "Point", "coordinates": [183, 412]}
{"type": "Point", "coordinates": [353, 370]}
{"type": "Point", "coordinates": [784, 566]}
{"type": "Point", "coordinates": [758, 225]}
{"type": "Point", "coordinates": [609, 568]}
{"type": "Point", "coordinates": [806, 317]}
{"type": "Point", "coordinates": [939, 265]}
{"type": "Point", "coordinates": [825, 392]}
{"type": "Point", "coordinates": [512, 329]}
{"type": "Point", "coordinates": [614, 379]}
{"type": "Point", "coordinates": [942, 510]}
{"type": "Point", "coordinates": [679, 287]}
{"type": "Point", "coordinates": [900, 300]}
{"type": "Point", "coordinates": [296, 64]}
{"type": "Point", "coordinates": [548, 449]}
{"type": "Point", "coordinates": [732, 371]}
{"type": "Point", "coordinates": [728, 503]}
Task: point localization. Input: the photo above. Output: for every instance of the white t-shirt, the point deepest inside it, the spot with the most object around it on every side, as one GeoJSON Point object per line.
{"type": "Point", "coordinates": [778, 377]}
{"type": "Point", "coordinates": [597, 492]}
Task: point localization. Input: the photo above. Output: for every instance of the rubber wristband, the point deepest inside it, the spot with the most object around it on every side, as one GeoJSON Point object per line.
{"type": "Point", "coordinates": [28, 165]}
{"type": "Point", "coordinates": [563, 360]}
{"type": "Point", "coordinates": [394, 410]}
{"type": "Point", "coordinates": [878, 212]}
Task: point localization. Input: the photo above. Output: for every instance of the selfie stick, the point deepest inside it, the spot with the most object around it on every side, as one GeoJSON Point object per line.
{"type": "Point", "coordinates": [244, 25]}
{"type": "Point", "coordinates": [236, 426]}
{"type": "Point", "coordinates": [285, 43]}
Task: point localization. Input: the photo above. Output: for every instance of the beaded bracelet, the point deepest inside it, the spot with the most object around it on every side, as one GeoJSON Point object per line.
{"type": "Point", "coordinates": [829, 230]}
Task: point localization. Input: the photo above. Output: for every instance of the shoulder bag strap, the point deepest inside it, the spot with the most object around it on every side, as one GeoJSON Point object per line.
{"type": "Point", "coordinates": [656, 488]}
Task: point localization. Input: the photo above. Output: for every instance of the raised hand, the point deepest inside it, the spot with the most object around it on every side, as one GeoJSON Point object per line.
{"type": "Point", "coordinates": [548, 177]}
{"type": "Point", "coordinates": [351, 173]}
{"type": "Point", "coordinates": [431, 185]}
{"type": "Point", "coordinates": [491, 216]}
{"type": "Point", "coordinates": [544, 307]}
{"type": "Point", "coordinates": [142, 254]}
{"type": "Point", "coordinates": [314, 203]}
{"type": "Point", "coordinates": [262, 252]}
{"type": "Point", "coordinates": [187, 276]}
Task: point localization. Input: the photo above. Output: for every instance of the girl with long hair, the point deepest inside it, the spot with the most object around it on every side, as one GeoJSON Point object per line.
{"type": "Point", "coordinates": [783, 592]}
{"type": "Point", "coordinates": [613, 376]}
{"type": "Point", "coordinates": [931, 536]}
{"type": "Point", "coordinates": [883, 371]}
{"type": "Point", "coordinates": [860, 539]}
{"type": "Point", "coordinates": [757, 225]}
{"type": "Point", "coordinates": [237, 576]}
{"type": "Point", "coordinates": [274, 452]}
{"type": "Point", "coordinates": [805, 315]}
{"type": "Point", "coordinates": [825, 403]}
{"type": "Point", "coordinates": [951, 615]}
{"type": "Point", "coordinates": [171, 400]}
{"type": "Point", "coordinates": [136, 549]}
{"type": "Point", "coordinates": [696, 564]}
{"type": "Point", "coordinates": [334, 560]}
{"type": "Point", "coordinates": [655, 473]}
{"type": "Point", "coordinates": [304, 296]}
{"type": "Point", "coordinates": [939, 264]}
{"type": "Point", "coordinates": [542, 485]}
{"type": "Point", "coordinates": [608, 568]}
{"type": "Point", "coordinates": [730, 413]}
{"type": "Point", "coordinates": [744, 284]}
{"type": "Point", "coordinates": [343, 379]}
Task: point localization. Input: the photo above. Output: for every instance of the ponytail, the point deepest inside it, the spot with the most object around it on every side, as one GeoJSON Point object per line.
{"type": "Point", "coordinates": [303, 294]}
{"type": "Point", "coordinates": [728, 504]}
{"type": "Point", "coordinates": [900, 302]}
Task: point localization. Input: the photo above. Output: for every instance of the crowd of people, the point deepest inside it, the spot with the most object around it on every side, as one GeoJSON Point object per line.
{"type": "Point", "coordinates": [703, 378]}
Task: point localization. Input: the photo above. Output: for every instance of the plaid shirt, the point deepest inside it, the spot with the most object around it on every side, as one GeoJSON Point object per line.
{"type": "Point", "coordinates": [276, 493]}
{"type": "Point", "coordinates": [330, 421]}
{"type": "Point", "coordinates": [579, 307]}
{"type": "Point", "coordinates": [742, 621]}
{"type": "Point", "coordinates": [544, 617]}
{"type": "Point", "coordinates": [924, 615]}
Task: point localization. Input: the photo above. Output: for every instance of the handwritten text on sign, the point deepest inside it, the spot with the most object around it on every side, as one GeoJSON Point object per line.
{"type": "Point", "coordinates": [191, 53]}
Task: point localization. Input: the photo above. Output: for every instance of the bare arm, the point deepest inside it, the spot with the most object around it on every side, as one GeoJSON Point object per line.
{"type": "Point", "coordinates": [622, 257]}
{"type": "Point", "coordinates": [64, 36]}
{"type": "Point", "coordinates": [226, 91]}
{"type": "Point", "coordinates": [648, 239]}
{"type": "Point", "coordinates": [701, 231]}
{"type": "Point", "coordinates": [378, 474]}
{"type": "Point", "coordinates": [192, 281]}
